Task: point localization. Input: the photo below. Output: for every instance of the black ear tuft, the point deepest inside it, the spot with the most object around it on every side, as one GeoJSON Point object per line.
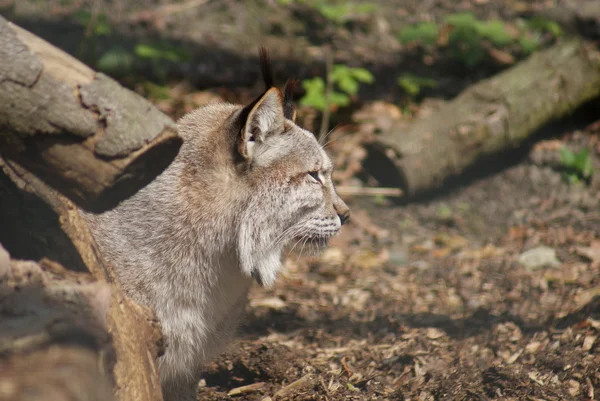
{"type": "Point", "coordinates": [288, 99]}
{"type": "Point", "coordinates": [265, 67]}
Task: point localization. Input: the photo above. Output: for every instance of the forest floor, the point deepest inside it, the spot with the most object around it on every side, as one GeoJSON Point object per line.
{"type": "Point", "coordinates": [487, 289]}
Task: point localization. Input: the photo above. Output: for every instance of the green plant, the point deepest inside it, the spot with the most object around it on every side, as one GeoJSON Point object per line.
{"type": "Point", "coordinates": [423, 32]}
{"type": "Point", "coordinates": [155, 91]}
{"type": "Point", "coordinates": [340, 13]}
{"type": "Point", "coordinates": [529, 43]}
{"type": "Point", "coordinates": [578, 165]}
{"type": "Point", "coordinates": [115, 60]}
{"type": "Point", "coordinates": [543, 25]}
{"type": "Point", "coordinates": [97, 24]}
{"type": "Point", "coordinates": [347, 81]}
{"type": "Point", "coordinates": [412, 84]}
{"type": "Point", "coordinates": [468, 33]}
{"type": "Point", "coordinates": [337, 11]}
{"type": "Point", "coordinates": [160, 52]}
{"type": "Point", "coordinates": [469, 39]}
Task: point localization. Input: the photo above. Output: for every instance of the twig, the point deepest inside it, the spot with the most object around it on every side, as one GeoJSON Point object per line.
{"type": "Point", "coordinates": [170, 9]}
{"type": "Point", "coordinates": [346, 367]}
{"type": "Point", "coordinates": [328, 91]}
{"type": "Point", "coordinates": [299, 385]}
{"type": "Point", "coordinates": [250, 388]}
{"type": "Point", "coordinates": [368, 191]}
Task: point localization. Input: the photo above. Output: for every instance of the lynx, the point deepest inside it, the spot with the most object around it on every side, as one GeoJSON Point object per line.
{"type": "Point", "coordinates": [247, 184]}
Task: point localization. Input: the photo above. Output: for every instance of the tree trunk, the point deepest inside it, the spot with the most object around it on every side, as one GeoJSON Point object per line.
{"type": "Point", "coordinates": [60, 231]}
{"type": "Point", "coordinates": [491, 116]}
{"type": "Point", "coordinates": [54, 336]}
{"type": "Point", "coordinates": [78, 130]}
{"type": "Point", "coordinates": [70, 138]}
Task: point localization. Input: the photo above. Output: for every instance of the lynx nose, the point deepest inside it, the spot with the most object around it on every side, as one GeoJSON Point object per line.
{"type": "Point", "coordinates": [344, 216]}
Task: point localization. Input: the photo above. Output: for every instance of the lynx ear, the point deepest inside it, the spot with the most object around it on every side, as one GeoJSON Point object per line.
{"type": "Point", "coordinates": [264, 116]}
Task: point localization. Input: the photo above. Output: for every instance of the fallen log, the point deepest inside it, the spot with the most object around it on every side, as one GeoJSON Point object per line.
{"type": "Point", "coordinates": [70, 138]}
{"type": "Point", "coordinates": [78, 130]}
{"type": "Point", "coordinates": [580, 18]}
{"type": "Point", "coordinates": [60, 231]}
{"type": "Point", "coordinates": [54, 337]}
{"type": "Point", "coordinates": [491, 116]}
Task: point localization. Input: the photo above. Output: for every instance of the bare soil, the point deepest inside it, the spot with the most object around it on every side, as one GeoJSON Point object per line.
{"type": "Point", "coordinates": [428, 301]}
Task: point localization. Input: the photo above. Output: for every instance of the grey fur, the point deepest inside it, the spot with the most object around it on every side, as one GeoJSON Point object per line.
{"type": "Point", "coordinates": [190, 243]}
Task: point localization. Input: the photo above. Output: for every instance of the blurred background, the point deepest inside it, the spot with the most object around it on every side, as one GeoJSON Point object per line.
{"type": "Point", "coordinates": [470, 269]}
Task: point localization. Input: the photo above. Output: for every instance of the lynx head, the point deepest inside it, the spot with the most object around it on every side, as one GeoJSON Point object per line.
{"type": "Point", "coordinates": [282, 179]}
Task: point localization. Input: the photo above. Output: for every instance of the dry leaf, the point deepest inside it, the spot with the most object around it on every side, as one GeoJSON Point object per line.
{"type": "Point", "coordinates": [533, 346]}
{"type": "Point", "coordinates": [453, 242]}
{"type": "Point", "coordinates": [501, 56]}
{"type": "Point", "coordinates": [588, 343]}
{"type": "Point", "coordinates": [367, 259]}
{"type": "Point", "coordinates": [333, 257]}
{"type": "Point", "coordinates": [592, 253]}
{"type": "Point", "coordinates": [433, 334]}
{"type": "Point", "coordinates": [574, 387]}
{"type": "Point", "coordinates": [272, 303]}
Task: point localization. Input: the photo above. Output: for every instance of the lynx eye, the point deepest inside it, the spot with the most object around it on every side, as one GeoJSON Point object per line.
{"type": "Point", "coordinates": [315, 176]}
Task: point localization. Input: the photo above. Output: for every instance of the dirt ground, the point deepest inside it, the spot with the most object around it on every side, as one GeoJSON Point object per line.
{"type": "Point", "coordinates": [416, 302]}
{"type": "Point", "coordinates": [429, 299]}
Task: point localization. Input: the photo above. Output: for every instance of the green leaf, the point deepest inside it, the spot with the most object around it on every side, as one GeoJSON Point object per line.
{"type": "Point", "coordinates": [409, 86]}
{"type": "Point", "coordinates": [461, 20]}
{"type": "Point", "coordinates": [160, 52]}
{"type": "Point", "coordinates": [412, 84]}
{"type": "Point", "coordinates": [339, 72]}
{"type": "Point", "coordinates": [147, 51]}
{"type": "Point", "coordinates": [102, 26]}
{"type": "Point", "coordinates": [424, 32]}
{"type": "Point", "coordinates": [155, 91]}
{"type": "Point", "coordinates": [115, 60]}
{"type": "Point", "coordinates": [578, 164]}
{"type": "Point", "coordinates": [339, 99]}
{"type": "Point", "coordinates": [583, 163]}
{"type": "Point", "coordinates": [335, 13]}
{"type": "Point", "coordinates": [364, 8]}
{"type": "Point", "coordinates": [362, 75]}
{"type": "Point", "coordinates": [544, 25]}
{"type": "Point", "coordinates": [83, 17]}
{"type": "Point", "coordinates": [315, 93]}
{"type": "Point", "coordinates": [571, 178]}
{"type": "Point", "coordinates": [495, 32]}
{"type": "Point", "coordinates": [567, 157]}
{"type": "Point", "coordinates": [343, 11]}
{"type": "Point", "coordinates": [348, 84]}
{"type": "Point", "coordinates": [528, 44]}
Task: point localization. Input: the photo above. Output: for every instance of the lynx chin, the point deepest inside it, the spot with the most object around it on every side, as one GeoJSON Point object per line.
{"type": "Point", "coordinates": [247, 183]}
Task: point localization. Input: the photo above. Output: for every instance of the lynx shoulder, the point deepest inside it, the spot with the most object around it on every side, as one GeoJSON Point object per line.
{"type": "Point", "coordinates": [248, 182]}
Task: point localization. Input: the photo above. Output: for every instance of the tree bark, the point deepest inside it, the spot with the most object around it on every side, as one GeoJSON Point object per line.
{"type": "Point", "coordinates": [581, 17]}
{"type": "Point", "coordinates": [78, 130]}
{"type": "Point", "coordinates": [54, 336]}
{"type": "Point", "coordinates": [134, 332]}
{"type": "Point", "coordinates": [70, 138]}
{"type": "Point", "coordinates": [491, 116]}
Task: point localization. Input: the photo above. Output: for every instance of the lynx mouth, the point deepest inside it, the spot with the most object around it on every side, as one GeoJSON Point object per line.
{"type": "Point", "coordinates": [315, 242]}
